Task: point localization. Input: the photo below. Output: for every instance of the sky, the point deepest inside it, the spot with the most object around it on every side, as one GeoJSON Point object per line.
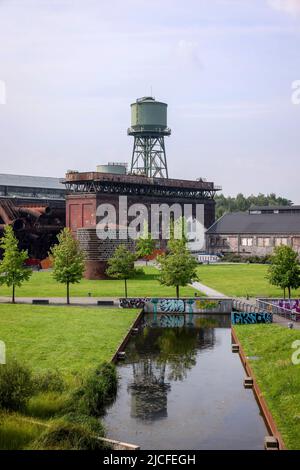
{"type": "Point", "coordinates": [71, 68]}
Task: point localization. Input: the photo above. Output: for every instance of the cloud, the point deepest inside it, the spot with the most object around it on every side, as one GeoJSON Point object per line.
{"type": "Point", "coordinates": [288, 6]}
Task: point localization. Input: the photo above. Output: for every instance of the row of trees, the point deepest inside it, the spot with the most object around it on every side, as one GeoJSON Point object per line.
{"type": "Point", "coordinates": [242, 203]}
{"type": "Point", "coordinates": [177, 266]}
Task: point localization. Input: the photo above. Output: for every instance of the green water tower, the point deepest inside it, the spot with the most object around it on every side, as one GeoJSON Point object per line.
{"type": "Point", "coordinates": [149, 127]}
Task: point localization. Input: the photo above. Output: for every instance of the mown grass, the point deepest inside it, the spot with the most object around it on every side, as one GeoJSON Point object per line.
{"type": "Point", "coordinates": [71, 340]}
{"type": "Point", "coordinates": [276, 374]}
{"type": "Point", "coordinates": [239, 280]}
{"type": "Point", "coordinates": [145, 284]}
{"type": "Point", "coordinates": [67, 338]}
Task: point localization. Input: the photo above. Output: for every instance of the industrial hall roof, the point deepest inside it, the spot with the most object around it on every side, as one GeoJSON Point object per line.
{"type": "Point", "coordinates": [245, 223]}
{"type": "Point", "coordinates": [22, 181]}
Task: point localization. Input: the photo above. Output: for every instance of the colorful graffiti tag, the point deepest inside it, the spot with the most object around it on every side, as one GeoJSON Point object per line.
{"type": "Point", "coordinates": [133, 302]}
{"type": "Point", "coordinates": [243, 318]}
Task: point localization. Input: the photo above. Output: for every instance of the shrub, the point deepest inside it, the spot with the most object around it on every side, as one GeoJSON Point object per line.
{"type": "Point", "coordinates": [63, 435]}
{"type": "Point", "coordinates": [98, 390]}
{"type": "Point", "coordinates": [49, 381]}
{"type": "Point", "coordinates": [16, 386]}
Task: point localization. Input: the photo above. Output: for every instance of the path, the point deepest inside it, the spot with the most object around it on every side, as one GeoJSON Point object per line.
{"type": "Point", "coordinates": [77, 301]}
{"type": "Point", "coordinates": [207, 290]}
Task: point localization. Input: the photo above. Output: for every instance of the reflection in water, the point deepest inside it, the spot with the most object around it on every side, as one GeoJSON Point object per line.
{"type": "Point", "coordinates": [181, 388]}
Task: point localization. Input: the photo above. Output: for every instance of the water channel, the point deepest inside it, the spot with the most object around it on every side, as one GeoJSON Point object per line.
{"type": "Point", "coordinates": [181, 387]}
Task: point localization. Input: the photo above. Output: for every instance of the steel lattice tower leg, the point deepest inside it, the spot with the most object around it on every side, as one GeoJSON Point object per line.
{"type": "Point", "coordinates": [149, 156]}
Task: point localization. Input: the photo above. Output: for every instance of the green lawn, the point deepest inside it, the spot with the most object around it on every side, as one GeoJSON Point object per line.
{"type": "Point", "coordinates": [42, 284]}
{"type": "Point", "coordinates": [277, 376]}
{"type": "Point", "coordinates": [70, 339]}
{"type": "Point", "coordinates": [239, 280]}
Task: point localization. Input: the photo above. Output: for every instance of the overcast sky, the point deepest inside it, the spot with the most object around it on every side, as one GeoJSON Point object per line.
{"type": "Point", "coordinates": [71, 68]}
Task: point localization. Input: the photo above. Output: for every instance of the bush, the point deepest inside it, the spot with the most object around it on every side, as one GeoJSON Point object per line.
{"type": "Point", "coordinates": [237, 258]}
{"type": "Point", "coordinates": [98, 390]}
{"type": "Point", "coordinates": [68, 436]}
{"type": "Point", "coordinates": [16, 386]}
{"type": "Point", "coordinates": [49, 381]}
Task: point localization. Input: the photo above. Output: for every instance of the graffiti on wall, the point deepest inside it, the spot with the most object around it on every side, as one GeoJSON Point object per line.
{"type": "Point", "coordinates": [172, 305]}
{"type": "Point", "coordinates": [243, 318]}
{"type": "Point", "coordinates": [133, 302]}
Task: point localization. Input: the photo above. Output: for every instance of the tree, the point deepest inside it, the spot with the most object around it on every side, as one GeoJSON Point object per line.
{"type": "Point", "coordinates": [12, 270]}
{"type": "Point", "coordinates": [68, 260]}
{"type": "Point", "coordinates": [241, 203]}
{"type": "Point", "coordinates": [145, 245]}
{"type": "Point", "coordinates": [178, 266]}
{"type": "Point", "coordinates": [121, 265]}
{"type": "Point", "coordinates": [284, 270]}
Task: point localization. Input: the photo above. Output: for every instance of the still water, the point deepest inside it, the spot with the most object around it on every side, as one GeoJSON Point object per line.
{"type": "Point", "coordinates": [182, 388]}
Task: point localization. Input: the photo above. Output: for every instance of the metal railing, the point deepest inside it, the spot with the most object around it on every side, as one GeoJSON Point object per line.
{"type": "Point", "coordinates": [276, 310]}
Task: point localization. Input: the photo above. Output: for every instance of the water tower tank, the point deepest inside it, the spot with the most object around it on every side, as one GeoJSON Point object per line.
{"type": "Point", "coordinates": [148, 115]}
{"type": "Point", "coordinates": [149, 127]}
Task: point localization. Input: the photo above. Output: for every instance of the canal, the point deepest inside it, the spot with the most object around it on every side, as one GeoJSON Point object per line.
{"type": "Point", "coordinates": [181, 387]}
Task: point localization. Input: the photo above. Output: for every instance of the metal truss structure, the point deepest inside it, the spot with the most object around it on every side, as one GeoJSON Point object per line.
{"type": "Point", "coordinates": [149, 156]}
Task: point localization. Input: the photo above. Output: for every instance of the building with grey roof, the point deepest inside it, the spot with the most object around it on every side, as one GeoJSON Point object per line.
{"type": "Point", "coordinates": [255, 232]}
{"type": "Point", "coordinates": [31, 187]}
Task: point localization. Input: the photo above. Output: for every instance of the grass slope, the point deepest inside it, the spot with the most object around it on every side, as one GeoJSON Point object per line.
{"type": "Point", "coordinates": [70, 339]}
{"type": "Point", "coordinates": [277, 376]}
{"type": "Point", "coordinates": [42, 284]}
{"type": "Point", "coordinates": [239, 280]}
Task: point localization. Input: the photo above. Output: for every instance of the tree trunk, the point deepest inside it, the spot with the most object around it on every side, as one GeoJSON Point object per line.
{"type": "Point", "coordinates": [284, 293]}
{"type": "Point", "coordinates": [125, 288]}
{"type": "Point", "coordinates": [289, 289]}
{"type": "Point", "coordinates": [13, 294]}
{"type": "Point", "coordinates": [68, 293]}
{"type": "Point", "coordinates": [177, 292]}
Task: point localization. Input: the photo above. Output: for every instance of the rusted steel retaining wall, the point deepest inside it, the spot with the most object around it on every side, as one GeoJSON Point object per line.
{"type": "Point", "coordinates": [125, 340]}
{"type": "Point", "coordinates": [268, 418]}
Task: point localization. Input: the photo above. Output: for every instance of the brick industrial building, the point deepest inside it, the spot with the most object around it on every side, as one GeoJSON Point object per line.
{"type": "Point", "coordinates": [86, 191]}
{"type": "Point", "coordinates": [255, 232]}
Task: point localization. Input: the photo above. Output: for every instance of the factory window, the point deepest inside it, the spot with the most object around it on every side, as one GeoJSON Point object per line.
{"type": "Point", "coordinates": [281, 241]}
{"type": "Point", "coordinates": [246, 241]}
{"type": "Point", "coordinates": [264, 241]}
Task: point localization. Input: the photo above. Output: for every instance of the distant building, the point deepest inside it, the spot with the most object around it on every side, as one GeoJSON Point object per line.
{"type": "Point", "coordinates": [255, 232]}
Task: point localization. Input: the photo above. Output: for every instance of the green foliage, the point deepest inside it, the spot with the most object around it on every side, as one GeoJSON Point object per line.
{"type": "Point", "coordinates": [241, 203]}
{"type": "Point", "coordinates": [284, 270]}
{"type": "Point", "coordinates": [12, 270]}
{"type": "Point", "coordinates": [16, 432]}
{"type": "Point", "coordinates": [62, 435]}
{"type": "Point", "coordinates": [97, 391]}
{"type": "Point", "coordinates": [177, 267]}
{"type": "Point", "coordinates": [145, 246]}
{"type": "Point", "coordinates": [68, 260]}
{"type": "Point", "coordinates": [236, 258]}
{"type": "Point", "coordinates": [16, 386]}
{"type": "Point", "coordinates": [49, 381]}
{"type": "Point", "coordinates": [121, 265]}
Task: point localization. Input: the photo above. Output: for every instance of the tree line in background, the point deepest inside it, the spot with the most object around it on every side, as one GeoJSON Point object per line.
{"type": "Point", "coordinates": [243, 203]}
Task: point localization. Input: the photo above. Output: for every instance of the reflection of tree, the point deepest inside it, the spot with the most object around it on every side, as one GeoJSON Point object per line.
{"type": "Point", "coordinates": [178, 349]}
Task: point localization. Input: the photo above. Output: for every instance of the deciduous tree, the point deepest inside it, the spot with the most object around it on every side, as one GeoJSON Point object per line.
{"type": "Point", "coordinates": [121, 265]}
{"type": "Point", "coordinates": [68, 260]}
{"type": "Point", "coordinates": [12, 270]}
{"type": "Point", "coordinates": [284, 270]}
